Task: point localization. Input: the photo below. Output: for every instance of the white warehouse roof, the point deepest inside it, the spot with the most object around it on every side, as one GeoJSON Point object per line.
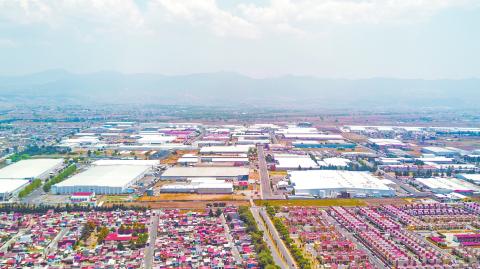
{"type": "Point", "coordinates": [442, 184]}
{"type": "Point", "coordinates": [227, 149]}
{"type": "Point", "coordinates": [190, 172]}
{"type": "Point", "coordinates": [12, 185]}
{"type": "Point", "coordinates": [27, 169]}
{"type": "Point", "coordinates": [312, 181]}
{"type": "Point", "coordinates": [107, 176]}
{"type": "Point", "coordinates": [294, 162]}
{"type": "Point", "coordinates": [155, 139]}
{"type": "Point", "coordinates": [127, 162]}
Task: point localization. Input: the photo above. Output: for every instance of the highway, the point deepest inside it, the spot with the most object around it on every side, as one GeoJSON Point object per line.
{"type": "Point", "coordinates": [152, 237]}
{"type": "Point", "coordinates": [273, 239]}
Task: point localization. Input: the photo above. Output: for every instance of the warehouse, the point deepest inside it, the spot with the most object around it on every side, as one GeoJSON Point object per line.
{"type": "Point", "coordinates": [226, 149]}
{"type": "Point", "coordinates": [127, 162]}
{"type": "Point", "coordinates": [228, 173]}
{"type": "Point", "coordinates": [474, 178]}
{"type": "Point", "coordinates": [444, 185]}
{"type": "Point", "coordinates": [155, 139]}
{"type": "Point", "coordinates": [334, 162]}
{"type": "Point", "coordinates": [10, 187]}
{"type": "Point", "coordinates": [103, 179]}
{"type": "Point", "coordinates": [386, 143]}
{"type": "Point", "coordinates": [31, 169]}
{"type": "Point", "coordinates": [439, 151]}
{"type": "Point", "coordinates": [331, 183]}
{"type": "Point", "coordinates": [200, 186]}
{"type": "Point", "coordinates": [290, 161]}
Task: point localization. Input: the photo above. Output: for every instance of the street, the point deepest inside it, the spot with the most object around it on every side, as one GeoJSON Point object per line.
{"type": "Point", "coordinates": [265, 188]}
{"type": "Point", "coordinates": [152, 237]}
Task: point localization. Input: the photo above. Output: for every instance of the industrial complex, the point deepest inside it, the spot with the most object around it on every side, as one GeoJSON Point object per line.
{"type": "Point", "coordinates": [332, 183]}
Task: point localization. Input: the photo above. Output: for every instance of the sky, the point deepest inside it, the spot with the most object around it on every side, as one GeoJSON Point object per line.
{"type": "Point", "coordinates": [428, 39]}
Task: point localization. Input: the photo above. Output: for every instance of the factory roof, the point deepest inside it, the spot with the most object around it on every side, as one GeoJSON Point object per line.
{"type": "Point", "coordinates": [205, 172]}
{"type": "Point", "coordinates": [106, 175]}
{"type": "Point", "coordinates": [314, 136]}
{"type": "Point", "coordinates": [439, 150]}
{"type": "Point", "coordinates": [436, 159]}
{"type": "Point", "coordinates": [127, 162]}
{"type": "Point", "coordinates": [451, 184]}
{"type": "Point", "coordinates": [11, 185]}
{"type": "Point", "coordinates": [335, 179]}
{"type": "Point", "coordinates": [236, 148]}
{"type": "Point", "coordinates": [335, 161]}
{"type": "Point", "coordinates": [472, 177]}
{"type": "Point", "coordinates": [32, 168]}
{"type": "Point", "coordinates": [295, 162]}
{"type": "Point", "coordinates": [385, 141]}
{"type": "Point", "coordinates": [155, 139]}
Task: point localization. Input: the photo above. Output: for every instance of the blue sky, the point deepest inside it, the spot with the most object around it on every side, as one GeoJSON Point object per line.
{"type": "Point", "coordinates": [325, 38]}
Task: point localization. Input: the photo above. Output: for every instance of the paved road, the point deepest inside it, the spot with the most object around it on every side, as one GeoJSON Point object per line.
{"type": "Point", "coordinates": [152, 237]}
{"type": "Point", "coordinates": [265, 188]}
{"type": "Point", "coordinates": [235, 252]}
{"type": "Point", "coordinates": [52, 247]}
{"type": "Point", "coordinates": [273, 237]}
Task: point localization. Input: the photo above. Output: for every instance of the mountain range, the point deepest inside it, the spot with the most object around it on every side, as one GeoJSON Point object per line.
{"type": "Point", "coordinates": [233, 89]}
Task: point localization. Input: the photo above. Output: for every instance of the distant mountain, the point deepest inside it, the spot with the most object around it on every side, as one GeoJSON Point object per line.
{"type": "Point", "coordinates": [231, 89]}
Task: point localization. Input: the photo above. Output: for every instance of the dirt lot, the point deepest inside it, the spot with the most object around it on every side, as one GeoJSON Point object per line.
{"type": "Point", "coordinates": [195, 205]}
{"type": "Point", "coordinates": [335, 202]}
{"type": "Point", "coordinates": [192, 197]}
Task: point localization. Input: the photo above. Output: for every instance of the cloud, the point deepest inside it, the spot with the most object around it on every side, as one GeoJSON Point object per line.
{"type": "Point", "coordinates": [296, 15]}
{"type": "Point", "coordinates": [101, 15]}
{"type": "Point", "coordinates": [87, 18]}
{"type": "Point", "coordinates": [205, 13]}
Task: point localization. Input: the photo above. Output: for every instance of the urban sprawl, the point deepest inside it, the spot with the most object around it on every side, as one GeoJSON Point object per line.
{"type": "Point", "coordinates": [242, 193]}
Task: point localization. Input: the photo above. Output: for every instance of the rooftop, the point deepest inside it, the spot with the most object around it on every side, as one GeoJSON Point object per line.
{"type": "Point", "coordinates": [106, 175]}
{"type": "Point", "coordinates": [335, 179]}
{"type": "Point", "coordinates": [26, 169]}
{"type": "Point", "coordinates": [205, 171]}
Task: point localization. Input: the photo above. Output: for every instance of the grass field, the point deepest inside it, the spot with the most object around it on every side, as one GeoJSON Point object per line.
{"type": "Point", "coordinates": [313, 202]}
{"type": "Point", "coordinates": [114, 198]}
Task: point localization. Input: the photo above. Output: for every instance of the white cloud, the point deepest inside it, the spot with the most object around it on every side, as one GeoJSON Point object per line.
{"type": "Point", "coordinates": [296, 14]}
{"type": "Point", "coordinates": [292, 17]}
{"type": "Point", "coordinates": [101, 15]}
{"type": "Point", "coordinates": [205, 13]}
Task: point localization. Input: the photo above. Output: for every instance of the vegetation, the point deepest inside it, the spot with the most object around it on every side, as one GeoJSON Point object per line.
{"type": "Point", "coordinates": [33, 150]}
{"type": "Point", "coordinates": [18, 157]}
{"type": "Point", "coordinates": [265, 258]}
{"type": "Point", "coordinates": [60, 177]}
{"type": "Point", "coordinates": [296, 252]}
{"type": "Point", "coordinates": [102, 234]}
{"type": "Point", "coordinates": [35, 184]}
